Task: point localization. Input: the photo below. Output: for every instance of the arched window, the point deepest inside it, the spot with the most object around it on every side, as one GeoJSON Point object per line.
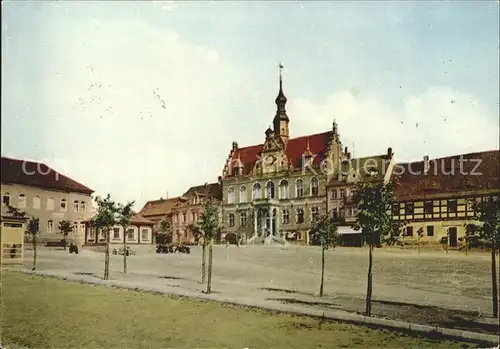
{"type": "Point", "coordinates": [314, 213]}
{"type": "Point", "coordinates": [50, 204]}
{"type": "Point", "coordinates": [76, 205]}
{"type": "Point", "coordinates": [36, 202]}
{"type": "Point", "coordinates": [6, 198]}
{"type": "Point", "coordinates": [284, 189]}
{"type": "Point", "coordinates": [230, 196]}
{"type": "Point", "coordinates": [314, 187]}
{"type": "Point", "coordinates": [300, 215]}
{"type": "Point", "coordinates": [256, 191]}
{"type": "Point", "coordinates": [82, 206]}
{"type": "Point", "coordinates": [243, 194]}
{"type": "Point", "coordinates": [63, 205]}
{"type": "Point", "coordinates": [21, 200]}
{"type": "Point", "coordinates": [299, 185]}
{"type": "Point", "coordinates": [285, 217]}
{"type": "Point", "coordinates": [231, 219]}
{"type": "Point", "coordinates": [50, 226]}
{"type": "Point", "coordinates": [270, 190]}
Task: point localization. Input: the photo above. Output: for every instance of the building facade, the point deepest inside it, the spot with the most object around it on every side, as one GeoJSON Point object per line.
{"type": "Point", "coordinates": [42, 192]}
{"type": "Point", "coordinates": [189, 209]}
{"type": "Point", "coordinates": [435, 197]}
{"type": "Point", "coordinates": [139, 232]}
{"type": "Point", "coordinates": [342, 187]}
{"type": "Point", "coordinates": [274, 191]}
{"type": "Point", "coordinates": [156, 210]}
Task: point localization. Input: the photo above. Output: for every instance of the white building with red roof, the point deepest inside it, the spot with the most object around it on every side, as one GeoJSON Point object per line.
{"type": "Point", "coordinates": [43, 192]}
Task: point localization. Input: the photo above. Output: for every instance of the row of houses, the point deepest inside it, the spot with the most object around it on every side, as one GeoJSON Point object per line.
{"type": "Point", "coordinates": [273, 191]}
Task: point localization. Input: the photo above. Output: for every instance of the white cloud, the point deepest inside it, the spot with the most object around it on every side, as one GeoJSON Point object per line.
{"type": "Point", "coordinates": [449, 122]}
{"type": "Point", "coordinates": [106, 86]}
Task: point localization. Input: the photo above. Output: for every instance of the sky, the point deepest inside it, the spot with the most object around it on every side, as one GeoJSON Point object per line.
{"type": "Point", "coordinates": [144, 99]}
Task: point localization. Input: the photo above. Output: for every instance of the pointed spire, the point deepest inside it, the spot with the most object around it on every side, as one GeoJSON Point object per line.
{"type": "Point", "coordinates": [281, 99]}
{"type": "Point", "coordinates": [335, 129]}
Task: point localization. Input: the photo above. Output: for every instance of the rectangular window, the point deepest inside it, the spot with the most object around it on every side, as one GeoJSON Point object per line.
{"type": "Point", "coordinates": [116, 233]}
{"type": "Point", "coordinates": [184, 216]}
{"type": "Point", "coordinates": [130, 234]}
{"type": "Point", "coordinates": [243, 219]}
{"type": "Point", "coordinates": [144, 235]}
{"type": "Point", "coordinates": [6, 200]}
{"type": "Point", "coordinates": [452, 205]}
{"type": "Point", "coordinates": [409, 208]}
{"type": "Point", "coordinates": [286, 217]}
{"type": "Point", "coordinates": [409, 231]}
{"type": "Point", "coordinates": [395, 209]}
{"type": "Point", "coordinates": [341, 194]}
{"type": "Point", "coordinates": [430, 230]}
{"type": "Point", "coordinates": [333, 193]}
{"type": "Point", "coordinates": [428, 207]}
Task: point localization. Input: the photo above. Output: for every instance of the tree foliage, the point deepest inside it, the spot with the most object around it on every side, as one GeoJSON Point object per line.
{"type": "Point", "coordinates": [209, 223]}
{"type": "Point", "coordinates": [373, 218]}
{"type": "Point", "coordinates": [124, 214]}
{"type": "Point", "coordinates": [165, 230]}
{"type": "Point", "coordinates": [488, 214]}
{"type": "Point", "coordinates": [33, 227]}
{"type": "Point", "coordinates": [324, 232]}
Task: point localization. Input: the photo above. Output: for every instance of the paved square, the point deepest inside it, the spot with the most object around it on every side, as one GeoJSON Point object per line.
{"type": "Point", "coordinates": [448, 290]}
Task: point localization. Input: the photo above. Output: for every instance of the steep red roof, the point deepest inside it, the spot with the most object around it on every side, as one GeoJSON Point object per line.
{"type": "Point", "coordinates": [294, 150]}
{"type": "Point", "coordinates": [451, 174]}
{"type": "Point", "coordinates": [138, 219]}
{"type": "Point", "coordinates": [37, 174]}
{"type": "Point", "coordinates": [158, 208]}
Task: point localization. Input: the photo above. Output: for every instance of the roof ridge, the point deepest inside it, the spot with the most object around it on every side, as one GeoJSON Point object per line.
{"type": "Point", "coordinates": [289, 140]}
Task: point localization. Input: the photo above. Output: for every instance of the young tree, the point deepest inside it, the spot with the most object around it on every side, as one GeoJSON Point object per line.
{"type": "Point", "coordinates": [209, 225]}
{"type": "Point", "coordinates": [32, 230]}
{"type": "Point", "coordinates": [373, 219]}
{"type": "Point", "coordinates": [165, 231]}
{"type": "Point", "coordinates": [124, 217]}
{"type": "Point", "coordinates": [324, 233]}
{"type": "Point", "coordinates": [488, 214]}
{"type": "Point", "coordinates": [199, 237]}
{"type": "Point", "coordinates": [104, 220]}
{"type": "Point", "coordinates": [65, 227]}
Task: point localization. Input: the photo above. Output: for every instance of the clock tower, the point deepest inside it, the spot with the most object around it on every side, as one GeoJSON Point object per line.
{"type": "Point", "coordinates": [281, 120]}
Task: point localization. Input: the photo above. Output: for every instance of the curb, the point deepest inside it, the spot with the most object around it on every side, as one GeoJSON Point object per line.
{"type": "Point", "coordinates": [355, 319]}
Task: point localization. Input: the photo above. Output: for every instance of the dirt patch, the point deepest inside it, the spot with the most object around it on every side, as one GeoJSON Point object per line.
{"type": "Point", "coordinates": [171, 278]}
{"type": "Point", "coordinates": [414, 313]}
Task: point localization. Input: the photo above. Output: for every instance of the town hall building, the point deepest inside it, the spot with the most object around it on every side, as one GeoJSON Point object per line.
{"type": "Point", "coordinates": [272, 192]}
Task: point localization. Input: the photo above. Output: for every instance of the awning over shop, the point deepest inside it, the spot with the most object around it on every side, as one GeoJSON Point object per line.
{"type": "Point", "coordinates": [346, 230]}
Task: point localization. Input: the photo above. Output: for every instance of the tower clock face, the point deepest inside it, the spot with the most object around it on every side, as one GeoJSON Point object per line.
{"type": "Point", "coordinates": [270, 159]}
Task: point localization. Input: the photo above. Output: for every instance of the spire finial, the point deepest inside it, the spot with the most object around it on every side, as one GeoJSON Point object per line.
{"type": "Point", "coordinates": [281, 73]}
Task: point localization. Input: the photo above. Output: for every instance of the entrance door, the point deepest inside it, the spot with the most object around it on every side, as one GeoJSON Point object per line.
{"type": "Point", "coordinates": [452, 232]}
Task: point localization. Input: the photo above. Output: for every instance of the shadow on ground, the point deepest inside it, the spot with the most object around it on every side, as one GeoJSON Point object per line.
{"type": "Point", "coordinates": [415, 313]}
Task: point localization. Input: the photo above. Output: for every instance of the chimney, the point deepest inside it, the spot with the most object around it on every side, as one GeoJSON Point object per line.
{"type": "Point", "coordinates": [345, 150]}
{"type": "Point", "coordinates": [348, 156]}
{"type": "Point", "coordinates": [161, 198]}
{"type": "Point", "coordinates": [389, 152]}
{"type": "Point", "coordinates": [426, 164]}
{"type": "Point", "coordinates": [235, 145]}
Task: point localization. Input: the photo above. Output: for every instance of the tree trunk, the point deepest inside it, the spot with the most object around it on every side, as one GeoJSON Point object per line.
{"type": "Point", "coordinates": [124, 251]}
{"type": "Point", "coordinates": [369, 285]}
{"type": "Point", "coordinates": [209, 279]}
{"type": "Point", "coordinates": [494, 281]}
{"type": "Point", "coordinates": [65, 243]}
{"type": "Point", "coordinates": [203, 261]}
{"type": "Point", "coordinates": [106, 258]}
{"type": "Point", "coordinates": [322, 271]}
{"type": "Point", "coordinates": [34, 253]}
{"type": "Point", "coordinates": [418, 244]}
